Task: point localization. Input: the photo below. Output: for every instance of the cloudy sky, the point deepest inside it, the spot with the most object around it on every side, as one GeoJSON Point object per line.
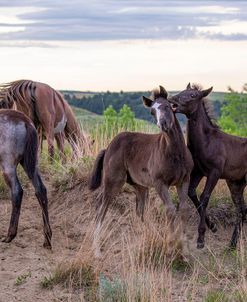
{"type": "Point", "coordinates": [128, 45]}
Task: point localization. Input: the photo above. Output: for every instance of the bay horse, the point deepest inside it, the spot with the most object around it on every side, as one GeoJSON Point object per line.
{"type": "Point", "coordinates": [48, 110]}
{"type": "Point", "coordinates": [216, 154]}
{"type": "Point", "coordinates": [144, 160]}
{"type": "Point", "coordinates": [19, 145]}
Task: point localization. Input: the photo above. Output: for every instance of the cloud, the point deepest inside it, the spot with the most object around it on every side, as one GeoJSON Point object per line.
{"type": "Point", "coordinates": [78, 20]}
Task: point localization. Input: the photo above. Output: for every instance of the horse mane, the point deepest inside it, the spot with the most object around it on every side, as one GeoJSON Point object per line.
{"type": "Point", "coordinates": [16, 93]}
{"type": "Point", "coordinates": [207, 104]}
{"type": "Point", "coordinates": [155, 94]}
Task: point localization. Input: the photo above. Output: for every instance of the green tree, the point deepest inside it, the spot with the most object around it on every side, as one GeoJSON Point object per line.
{"type": "Point", "coordinates": [234, 113]}
{"type": "Point", "coordinates": [110, 116]}
{"type": "Point", "coordinates": [126, 118]}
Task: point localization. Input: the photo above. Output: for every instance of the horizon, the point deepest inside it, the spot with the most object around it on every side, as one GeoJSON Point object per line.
{"type": "Point", "coordinates": [124, 45]}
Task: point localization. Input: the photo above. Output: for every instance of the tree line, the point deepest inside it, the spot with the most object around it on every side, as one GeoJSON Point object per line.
{"type": "Point", "coordinates": [230, 109]}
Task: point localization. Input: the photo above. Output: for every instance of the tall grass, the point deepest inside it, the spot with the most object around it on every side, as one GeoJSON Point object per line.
{"type": "Point", "coordinates": [141, 262]}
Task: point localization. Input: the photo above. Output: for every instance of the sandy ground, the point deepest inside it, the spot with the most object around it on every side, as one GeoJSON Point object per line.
{"type": "Point", "coordinates": [24, 262]}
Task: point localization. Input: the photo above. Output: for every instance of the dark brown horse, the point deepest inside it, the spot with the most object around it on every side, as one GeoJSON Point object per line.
{"type": "Point", "coordinates": [217, 155]}
{"type": "Point", "coordinates": [46, 107]}
{"type": "Point", "coordinates": [145, 160]}
{"type": "Point", "coordinates": [19, 144]}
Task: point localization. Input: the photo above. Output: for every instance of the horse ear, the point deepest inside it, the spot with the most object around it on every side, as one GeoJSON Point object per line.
{"type": "Point", "coordinates": [163, 92]}
{"type": "Point", "coordinates": [206, 92]}
{"type": "Point", "coordinates": [147, 102]}
{"type": "Point", "coordinates": [188, 86]}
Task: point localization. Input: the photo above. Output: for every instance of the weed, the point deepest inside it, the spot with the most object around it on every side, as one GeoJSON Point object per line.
{"type": "Point", "coordinates": [216, 296]}
{"type": "Point", "coordinates": [75, 275]}
{"type": "Point", "coordinates": [22, 278]}
{"type": "Point", "coordinates": [112, 290]}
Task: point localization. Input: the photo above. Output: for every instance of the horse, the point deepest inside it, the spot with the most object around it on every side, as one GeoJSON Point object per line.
{"type": "Point", "coordinates": [216, 154]}
{"type": "Point", "coordinates": [19, 145]}
{"type": "Point", "coordinates": [143, 161]}
{"type": "Point", "coordinates": [48, 110]}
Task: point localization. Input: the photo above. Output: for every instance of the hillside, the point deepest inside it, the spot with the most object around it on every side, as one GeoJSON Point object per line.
{"type": "Point", "coordinates": [141, 260]}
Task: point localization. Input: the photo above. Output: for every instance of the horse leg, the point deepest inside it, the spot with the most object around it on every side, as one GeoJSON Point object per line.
{"type": "Point", "coordinates": [182, 191]}
{"type": "Point", "coordinates": [163, 192]}
{"type": "Point", "coordinates": [48, 127]}
{"type": "Point", "coordinates": [110, 189]}
{"type": "Point", "coordinates": [183, 210]}
{"type": "Point", "coordinates": [41, 194]}
{"type": "Point", "coordinates": [237, 190]}
{"type": "Point", "coordinates": [12, 181]}
{"type": "Point", "coordinates": [60, 143]}
{"type": "Point", "coordinates": [141, 197]}
{"type": "Point", "coordinates": [195, 179]}
{"type": "Point", "coordinates": [40, 138]}
{"type": "Point", "coordinates": [211, 182]}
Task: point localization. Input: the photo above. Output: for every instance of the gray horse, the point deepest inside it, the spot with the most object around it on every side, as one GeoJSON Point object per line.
{"type": "Point", "coordinates": [19, 144]}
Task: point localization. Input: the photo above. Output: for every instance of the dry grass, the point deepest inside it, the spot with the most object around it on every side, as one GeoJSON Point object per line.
{"type": "Point", "coordinates": [152, 261]}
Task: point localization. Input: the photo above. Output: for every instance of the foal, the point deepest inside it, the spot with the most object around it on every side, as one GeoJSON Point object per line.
{"type": "Point", "coordinates": [145, 160]}
{"type": "Point", "coordinates": [217, 155]}
{"type": "Point", "coordinates": [19, 144]}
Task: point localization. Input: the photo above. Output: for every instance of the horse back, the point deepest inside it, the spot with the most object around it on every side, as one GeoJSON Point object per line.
{"type": "Point", "coordinates": [146, 158]}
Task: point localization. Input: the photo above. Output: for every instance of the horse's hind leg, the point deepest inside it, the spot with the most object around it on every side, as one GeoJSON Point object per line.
{"type": "Point", "coordinates": [141, 197]}
{"type": "Point", "coordinates": [12, 181]}
{"type": "Point", "coordinates": [41, 194]}
{"type": "Point", "coordinates": [60, 143]}
{"type": "Point", "coordinates": [110, 189]}
{"type": "Point", "coordinates": [237, 189]}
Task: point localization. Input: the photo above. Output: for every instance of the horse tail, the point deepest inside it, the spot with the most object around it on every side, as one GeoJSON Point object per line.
{"type": "Point", "coordinates": [96, 176]}
{"type": "Point", "coordinates": [30, 157]}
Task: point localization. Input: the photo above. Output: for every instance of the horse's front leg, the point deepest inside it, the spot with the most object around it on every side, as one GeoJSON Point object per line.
{"type": "Point", "coordinates": [195, 179]}
{"type": "Point", "coordinates": [163, 192]}
{"type": "Point", "coordinates": [211, 182]}
{"type": "Point", "coordinates": [182, 191]}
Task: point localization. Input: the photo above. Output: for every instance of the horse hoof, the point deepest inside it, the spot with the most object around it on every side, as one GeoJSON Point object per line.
{"type": "Point", "coordinates": [47, 246]}
{"type": "Point", "coordinates": [214, 228]}
{"type": "Point", "coordinates": [200, 245]}
{"type": "Point", "coordinates": [7, 239]}
{"type": "Point", "coordinates": [232, 247]}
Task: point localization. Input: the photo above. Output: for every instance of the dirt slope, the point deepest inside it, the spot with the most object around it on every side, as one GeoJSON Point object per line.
{"type": "Point", "coordinates": [25, 263]}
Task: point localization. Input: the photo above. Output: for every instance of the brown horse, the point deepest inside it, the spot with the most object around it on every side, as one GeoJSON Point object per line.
{"type": "Point", "coordinates": [217, 155]}
{"type": "Point", "coordinates": [19, 144]}
{"type": "Point", "coordinates": [46, 107]}
{"type": "Point", "coordinates": [145, 160]}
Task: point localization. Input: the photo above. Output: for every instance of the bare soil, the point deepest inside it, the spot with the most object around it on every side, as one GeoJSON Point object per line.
{"type": "Point", "coordinates": [24, 262]}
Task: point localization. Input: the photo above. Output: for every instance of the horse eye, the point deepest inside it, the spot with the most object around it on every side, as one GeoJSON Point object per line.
{"type": "Point", "coordinates": [192, 95]}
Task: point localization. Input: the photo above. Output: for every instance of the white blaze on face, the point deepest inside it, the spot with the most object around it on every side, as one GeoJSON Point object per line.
{"type": "Point", "coordinates": [158, 112]}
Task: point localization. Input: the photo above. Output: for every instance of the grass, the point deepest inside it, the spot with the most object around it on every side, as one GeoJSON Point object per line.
{"type": "Point", "coordinates": [216, 296]}
{"type": "Point", "coordinates": [22, 278]}
{"type": "Point", "coordinates": [145, 262]}
{"type": "Point", "coordinates": [75, 275]}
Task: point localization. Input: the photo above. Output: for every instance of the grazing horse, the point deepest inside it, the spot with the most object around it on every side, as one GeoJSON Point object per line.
{"type": "Point", "coordinates": [19, 144]}
{"type": "Point", "coordinates": [217, 155]}
{"type": "Point", "coordinates": [145, 160]}
{"type": "Point", "coordinates": [50, 113]}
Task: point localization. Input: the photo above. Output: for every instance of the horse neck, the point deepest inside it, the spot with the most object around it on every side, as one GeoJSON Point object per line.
{"type": "Point", "coordinates": [198, 124]}
{"type": "Point", "coordinates": [174, 139]}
